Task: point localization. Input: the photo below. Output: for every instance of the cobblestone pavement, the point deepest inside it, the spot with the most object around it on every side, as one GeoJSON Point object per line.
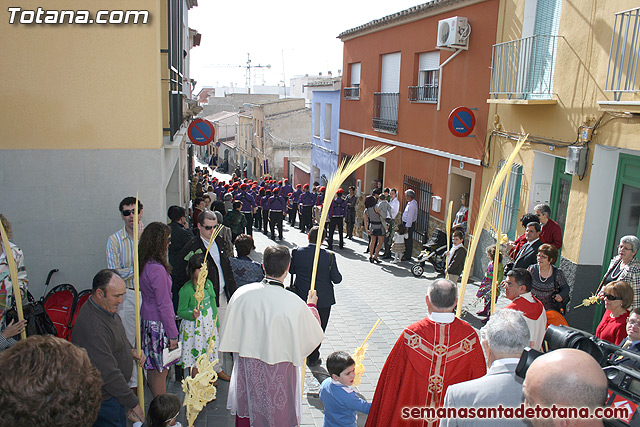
{"type": "Point", "coordinates": [367, 292]}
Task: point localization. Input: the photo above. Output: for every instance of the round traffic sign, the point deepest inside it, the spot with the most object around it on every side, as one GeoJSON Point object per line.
{"type": "Point", "coordinates": [461, 121]}
{"type": "Point", "coordinates": [201, 132]}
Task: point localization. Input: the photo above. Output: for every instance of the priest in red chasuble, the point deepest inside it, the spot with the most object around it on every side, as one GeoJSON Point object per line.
{"type": "Point", "coordinates": [430, 355]}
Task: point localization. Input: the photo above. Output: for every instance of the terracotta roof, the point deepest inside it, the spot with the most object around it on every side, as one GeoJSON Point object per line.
{"type": "Point", "coordinates": [413, 13]}
{"type": "Point", "coordinates": [220, 116]}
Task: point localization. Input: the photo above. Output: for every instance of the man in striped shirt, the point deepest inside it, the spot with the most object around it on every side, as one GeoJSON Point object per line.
{"type": "Point", "coordinates": [120, 258]}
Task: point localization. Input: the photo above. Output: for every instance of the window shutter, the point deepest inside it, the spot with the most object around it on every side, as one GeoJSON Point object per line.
{"type": "Point", "coordinates": [429, 61]}
{"type": "Point", "coordinates": [390, 79]}
{"type": "Point", "coordinates": [355, 74]}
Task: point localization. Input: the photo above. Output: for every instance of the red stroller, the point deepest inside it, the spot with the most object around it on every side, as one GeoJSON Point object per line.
{"type": "Point", "coordinates": [62, 304]}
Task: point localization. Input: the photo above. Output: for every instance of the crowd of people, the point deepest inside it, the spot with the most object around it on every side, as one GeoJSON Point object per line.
{"type": "Point", "coordinates": [262, 330]}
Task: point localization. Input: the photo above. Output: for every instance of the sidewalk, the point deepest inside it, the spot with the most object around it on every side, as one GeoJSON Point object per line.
{"type": "Point", "coordinates": [367, 292]}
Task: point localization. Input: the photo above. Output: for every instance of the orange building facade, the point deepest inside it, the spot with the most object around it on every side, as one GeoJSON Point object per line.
{"type": "Point", "coordinates": [399, 89]}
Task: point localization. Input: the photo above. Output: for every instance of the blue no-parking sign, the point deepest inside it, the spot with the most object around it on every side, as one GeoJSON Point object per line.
{"type": "Point", "coordinates": [461, 121]}
{"type": "Point", "coordinates": [201, 132]}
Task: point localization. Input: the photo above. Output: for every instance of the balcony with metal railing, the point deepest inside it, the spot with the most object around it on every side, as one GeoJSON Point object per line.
{"type": "Point", "coordinates": [622, 71]}
{"type": "Point", "coordinates": [385, 112]}
{"type": "Point", "coordinates": [522, 70]}
{"type": "Point", "coordinates": [426, 93]}
{"type": "Point", "coordinates": [352, 93]}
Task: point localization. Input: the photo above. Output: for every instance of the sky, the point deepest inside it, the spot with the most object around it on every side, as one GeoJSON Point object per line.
{"type": "Point", "coordinates": [294, 37]}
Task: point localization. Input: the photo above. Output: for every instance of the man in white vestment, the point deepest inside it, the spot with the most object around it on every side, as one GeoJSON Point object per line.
{"type": "Point", "coordinates": [270, 332]}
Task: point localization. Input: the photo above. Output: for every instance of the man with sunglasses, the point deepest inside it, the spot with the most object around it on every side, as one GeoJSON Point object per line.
{"type": "Point", "coordinates": [120, 258]}
{"type": "Point", "coordinates": [517, 288]}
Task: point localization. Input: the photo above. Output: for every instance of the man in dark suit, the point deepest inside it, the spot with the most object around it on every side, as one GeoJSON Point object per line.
{"type": "Point", "coordinates": [504, 338]}
{"type": "Point", "coordinates": [217, 258]}
{"type": "Point", "coordinates": [180, 236]}
{"type": "Point", "coordinates": [327, 274]}
{"type": "Point", "coordinates": [529, 252]}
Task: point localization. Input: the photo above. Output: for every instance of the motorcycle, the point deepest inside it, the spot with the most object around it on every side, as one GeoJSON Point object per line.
{"type": "Point", "coordinates": [434, 251]}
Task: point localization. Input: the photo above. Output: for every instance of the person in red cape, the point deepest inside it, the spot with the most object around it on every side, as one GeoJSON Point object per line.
{"type": "Point", "coordinates": [518, 289]}
{"type": "Point", "coordinates": [430, 355]}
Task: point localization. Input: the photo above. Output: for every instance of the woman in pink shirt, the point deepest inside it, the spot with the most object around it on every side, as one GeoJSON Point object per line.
{"type": "Point", "coordinates": [159, 329]}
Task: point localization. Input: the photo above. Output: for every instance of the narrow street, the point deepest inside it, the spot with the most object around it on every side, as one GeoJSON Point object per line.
{"type": "Point", "coordinates": [367, 292]}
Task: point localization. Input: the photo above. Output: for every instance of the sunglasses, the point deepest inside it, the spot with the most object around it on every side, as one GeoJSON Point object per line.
{"type": "Point", "coordinates": [128, 212]}
{"type": "Point", "coordinates": [172, 418]}
{"type": "Point", "coordinates": [208, 227]}
{"type": "Point", "coordinates": [612, 297]}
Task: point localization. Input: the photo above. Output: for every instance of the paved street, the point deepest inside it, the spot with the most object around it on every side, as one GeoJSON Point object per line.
{"type": "Point", "coordinates": [367, 292]}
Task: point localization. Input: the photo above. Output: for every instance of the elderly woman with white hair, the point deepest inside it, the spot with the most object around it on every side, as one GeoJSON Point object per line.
{"type": "Point", "coordinates": [625, 267]}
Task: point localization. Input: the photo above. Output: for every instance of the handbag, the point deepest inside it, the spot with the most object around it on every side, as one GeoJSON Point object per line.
{"type": "Point", "coordinates": [170, 356]}
{"type": "Point", "coordinates": [507, 268]}
{"type": "Point", "coordinates": [560, 307]}
{"type": "Point", "coordinates": [38, 321]}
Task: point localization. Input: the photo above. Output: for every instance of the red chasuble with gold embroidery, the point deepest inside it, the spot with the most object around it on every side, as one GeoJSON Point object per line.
{"type": "Point", "coordinates": [427, 358]}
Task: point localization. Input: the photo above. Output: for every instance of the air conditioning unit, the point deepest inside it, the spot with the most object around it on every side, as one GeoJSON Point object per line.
{"type": "Point", "coordinates": [453, 32]}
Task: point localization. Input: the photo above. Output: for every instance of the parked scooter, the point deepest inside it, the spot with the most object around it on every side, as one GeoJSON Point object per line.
{"type": "Point", "coordinates": [433, 251]}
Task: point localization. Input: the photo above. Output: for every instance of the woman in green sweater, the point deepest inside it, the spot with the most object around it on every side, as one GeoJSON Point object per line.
{"type": "Point", "coordinates": [199, 326]}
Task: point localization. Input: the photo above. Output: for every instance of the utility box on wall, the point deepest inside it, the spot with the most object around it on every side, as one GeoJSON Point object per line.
{"type": "Point", "coordinates": [576, 161]}
{"type": "Point", "coordinates": [436, 203]}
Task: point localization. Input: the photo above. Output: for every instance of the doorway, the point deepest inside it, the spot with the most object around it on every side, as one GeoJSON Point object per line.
{"type": "Point", "coordinates": [461, 182]}
{"type": "Point", "coordinates": [373, 173]}
{"type": "Point", "coordinates": [625, 212]}
{"type": "Point", "coordinates": [559, 200]}
{"type": "Point", "coordinates": [560, 189]}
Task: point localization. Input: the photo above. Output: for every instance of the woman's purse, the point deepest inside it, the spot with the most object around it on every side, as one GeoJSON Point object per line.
{"type": "Point", "coordinates": [38, 321]}
{"type": "Point", "coordinates": [560, 307]}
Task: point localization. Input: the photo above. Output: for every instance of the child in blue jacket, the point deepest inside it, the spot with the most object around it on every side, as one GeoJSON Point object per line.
{"type": "Point", "coordinates": [340, 401]}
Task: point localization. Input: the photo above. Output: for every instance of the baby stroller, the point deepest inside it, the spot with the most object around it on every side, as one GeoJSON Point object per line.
{"type": "Point", "coordinates": [433, 251]}
{"type": "Point", "coordinates": [62, 304]}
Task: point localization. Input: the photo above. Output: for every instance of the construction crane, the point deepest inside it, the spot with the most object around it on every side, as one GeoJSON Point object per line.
{"type": "Point", "coordinates": [248, 68]}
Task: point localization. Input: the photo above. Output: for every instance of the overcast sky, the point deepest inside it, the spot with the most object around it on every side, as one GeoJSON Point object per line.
{"type": "Point", "coordinates": [302, 35]}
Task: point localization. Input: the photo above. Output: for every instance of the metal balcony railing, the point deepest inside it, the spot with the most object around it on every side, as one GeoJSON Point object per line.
{"type": "Point", "coordinates": [385, 111]}
{"type": "Point", "coordinates": [351, 93]}
{"type": "Point", "coordinates": [624, 54]}
{"type": "Point", "coordinates": [524, 68]}
{"type": "Point", "coordinates": [426, 93]}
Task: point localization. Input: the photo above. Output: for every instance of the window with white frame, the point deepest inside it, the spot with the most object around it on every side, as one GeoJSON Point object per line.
{"type": "Point", "coordinates": [316, 119]}
{"type": "Point", "coordinates": [428, 78]}
{"type": "Point", "coordinates": [385, 102]}
{"type": "Point", "coordinates": [327, 122]}
{"type": "Point", "coordinates": [353, 91]}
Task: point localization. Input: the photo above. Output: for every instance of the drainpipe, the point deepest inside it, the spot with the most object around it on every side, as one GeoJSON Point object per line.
{"type": "Point", "coordinates": [440, 75]}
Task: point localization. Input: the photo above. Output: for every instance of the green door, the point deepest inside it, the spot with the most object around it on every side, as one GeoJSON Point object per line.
{"type": "Point", "coordinates": [625, 210]}
{"type": "Point", "coordinates": [560, 189]}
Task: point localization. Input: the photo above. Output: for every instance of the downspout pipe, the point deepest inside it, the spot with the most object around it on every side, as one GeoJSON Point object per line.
{"type": "Point", "coordinates": [440, 74]}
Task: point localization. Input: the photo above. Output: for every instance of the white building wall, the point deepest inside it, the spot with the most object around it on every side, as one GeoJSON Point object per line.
{"type": "Point", "coordinates": [62, 215]}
